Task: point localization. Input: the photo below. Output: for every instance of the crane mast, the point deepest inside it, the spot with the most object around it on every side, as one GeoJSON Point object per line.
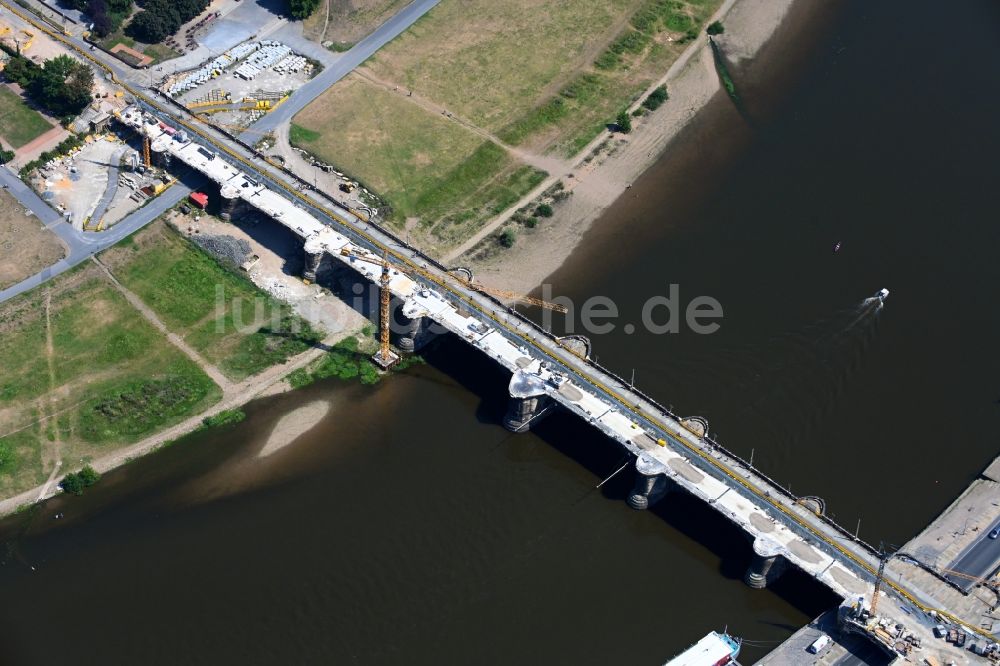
{"type": "Point", "coordinates": [385, 357]}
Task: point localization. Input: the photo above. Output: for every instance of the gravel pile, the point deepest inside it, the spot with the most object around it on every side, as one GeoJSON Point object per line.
{"type": "Point", "coordinates": [224, 248]}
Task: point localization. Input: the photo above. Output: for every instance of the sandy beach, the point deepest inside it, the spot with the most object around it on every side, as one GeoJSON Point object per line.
{"type": "Point", "coordinates": [598, 182]}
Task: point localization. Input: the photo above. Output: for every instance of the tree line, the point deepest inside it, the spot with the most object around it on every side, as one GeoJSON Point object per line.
{"type": "Point", "coordinates": [161, 18]}
{"type": "Point", "coordinates": [302, 9]}
{"type": "Point", "coordinates": [106, 15]}
{"type": "Point", "coordinates": [61, 85]}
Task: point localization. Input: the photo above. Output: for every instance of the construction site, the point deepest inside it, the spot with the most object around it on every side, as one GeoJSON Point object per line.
{"type": "Point", "coordinates": [97, 184]}
{"type": "Point", "coordinates": [239, 86]}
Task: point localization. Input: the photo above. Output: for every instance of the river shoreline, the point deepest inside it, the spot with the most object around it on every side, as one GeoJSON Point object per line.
{"type": "Point", "coordinates": [598, 184]}
{"type": "Point", "coordinates": [272, 381]}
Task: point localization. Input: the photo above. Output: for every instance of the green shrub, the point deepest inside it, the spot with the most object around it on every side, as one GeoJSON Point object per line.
{"type": "Point", "coordinates": [624, 122]}
{"type": "Point", "coordinates": [543, 210]}
{"type": "Point", "coordinates": [346, 362]}
{"type": "Point", "coordinates": [656, 98]}
{"type": "Point", "coordinates": [299, 378]}
{"type": "Point", "coordinates": [508, 237]}
{"type": "Point", "coordinates": [225, 417]}
{"type": "Point", "coordinates": [89, 476]}
{"type": "Point", "coordinates": [74, 483]}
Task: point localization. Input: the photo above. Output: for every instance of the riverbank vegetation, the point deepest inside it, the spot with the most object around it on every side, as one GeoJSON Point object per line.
{"type": "Point", "coordinates": [349, 359]}
{"type": "Point", "coordinates": [84, 374]}
{"type": "Point", "coordinates": [225, 417]}
{"type": "Point", "coordinates": [215, 308]}
{"type": "Point", "coordinates": [441, 180]}
{"type": "Point", "coordinates": [75, 483]}
{"type": "Point", "coordinates": [455, 120]}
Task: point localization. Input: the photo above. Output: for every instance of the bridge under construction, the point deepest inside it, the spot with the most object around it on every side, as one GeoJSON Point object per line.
{"type": "Point", "coordinates": [671, 453]}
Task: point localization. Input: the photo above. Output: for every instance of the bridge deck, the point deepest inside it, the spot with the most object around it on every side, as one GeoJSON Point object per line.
{"type": "Point", "coordinates": [768, 513]}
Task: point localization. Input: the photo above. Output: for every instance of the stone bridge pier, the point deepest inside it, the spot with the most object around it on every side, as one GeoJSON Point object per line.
{"type": "Point", "coordinates": [413, 334]}
{"type": "Point", "coordinates": [414, 329]}
{"type": "Point", "coordinates": [230, 197]}
{"type": "Point", "coordinates": [313, 258]}
{"type": "Point", "coordinates": [529, 402]}
{"type": "Point", "coordinates": [651, 484]}
{"type": "Point", "coordinates": [767, 563]}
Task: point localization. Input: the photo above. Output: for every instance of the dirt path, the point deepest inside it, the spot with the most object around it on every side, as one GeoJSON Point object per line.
{"type": "Point", "coordinates": [326, 22]}
{"type": "Point", "coordinates": [553, 165]}
{"type": "Point", "coordinates": [240, 394]}
{"type": "Point", "coordinates": [212, 371]}
{"type": "Point", "coordinates": [601, 181]}
{"type": "Point", "coordinates": [54, 450]}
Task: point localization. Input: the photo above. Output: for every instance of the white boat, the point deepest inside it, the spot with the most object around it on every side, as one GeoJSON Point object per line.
{"type": "Point", "coordinates": [882, 294]}
{"type": "Point", "coordinates": [715, 649]}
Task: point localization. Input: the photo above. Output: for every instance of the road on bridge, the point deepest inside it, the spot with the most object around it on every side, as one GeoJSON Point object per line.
{"type": "Point", "coordinates": [980, 560]}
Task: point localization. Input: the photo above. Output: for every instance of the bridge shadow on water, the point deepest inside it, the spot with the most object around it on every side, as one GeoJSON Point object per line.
{"type": "Point", "coordinates": [690, 517]}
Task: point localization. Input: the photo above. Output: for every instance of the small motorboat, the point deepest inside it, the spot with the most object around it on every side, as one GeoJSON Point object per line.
{"type": "Point", "coordinates": [836, 248]}
{"type": "Point", "coordinates": [882, 294]}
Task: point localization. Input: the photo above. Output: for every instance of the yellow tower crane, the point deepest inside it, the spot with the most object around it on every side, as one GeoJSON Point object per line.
{"type": "Point", "coordinates": [385, 356]}
{"type": "Point", "coordinates": [976, 580]}
{"type": "Point", "coordinates": [883, 558]}
{"type": "Point", "coordinates": [146, 157]}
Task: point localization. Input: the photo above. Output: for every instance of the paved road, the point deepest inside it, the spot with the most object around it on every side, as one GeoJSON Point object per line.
{"type": "Point", "coordinates": [80, 245]}
{"type": "Point", "coordinates": [344, 65]}
{"type": "Point", "coordinates": [979, 560]}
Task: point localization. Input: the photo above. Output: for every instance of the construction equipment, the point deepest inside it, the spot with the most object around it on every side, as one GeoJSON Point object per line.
{"type": "Point", "coordinates": [986, 581]}
{"type": "Point", "coordinates": [146, 157]}
{"type": "Point", "coordinates": [233, 129]}
{"type": "Point", "coordinates": [385, 357]}
{"type": "Point", "coordinates": [883, 558]}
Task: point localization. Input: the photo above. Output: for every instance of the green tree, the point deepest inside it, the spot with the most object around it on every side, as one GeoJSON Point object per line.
{"type": "Point", "coordinates": [508, 237]}
{"type": "Point", "coordinates": [89, 476]}
{"type": "Point", "coordinates": [72, 484]}
{"type": "Point", "coordinates": [21, 71]}
{"type": "Point", "coordinates": [624, 122]}
{"type": "Point", "coordinates": [63, 86]}
{"type": "Point", "coordinates": [302, 9]}
{"type": "Point", "coordinates": [715, 28]}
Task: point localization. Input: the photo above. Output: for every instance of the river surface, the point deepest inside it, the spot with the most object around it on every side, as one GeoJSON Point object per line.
{"type": "Point", "coordinates": [409, 527]}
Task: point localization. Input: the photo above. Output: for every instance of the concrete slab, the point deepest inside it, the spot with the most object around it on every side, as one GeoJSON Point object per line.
{"type": "Point", "coordinates": [993, 471]}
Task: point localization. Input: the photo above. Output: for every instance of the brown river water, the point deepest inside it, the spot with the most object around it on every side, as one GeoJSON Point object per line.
{"type": "Point", "coordinates": [408, 527]}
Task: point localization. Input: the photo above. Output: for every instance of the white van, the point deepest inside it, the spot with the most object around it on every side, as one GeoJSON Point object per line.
{"type": "Point", "coordinates": [819, 644]}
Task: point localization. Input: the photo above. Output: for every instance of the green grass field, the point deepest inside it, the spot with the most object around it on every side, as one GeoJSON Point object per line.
{"type": "Point", "coordinates": [547, 77]}
{"type": "Point", "coordinates": [114, 379]}
{"type": "Point", "coordinates": [424, 165]}
{"type": "Point", "coordinates": [21, 124]}
{"type": "Point", "coordinates": [218, 311]}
